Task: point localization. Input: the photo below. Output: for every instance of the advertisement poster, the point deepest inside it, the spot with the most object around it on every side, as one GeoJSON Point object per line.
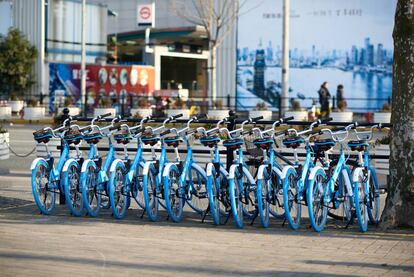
{"type": "Point", "coordinates": [340, 42]}
{"type": "Point", "coordinates": [109, 81]}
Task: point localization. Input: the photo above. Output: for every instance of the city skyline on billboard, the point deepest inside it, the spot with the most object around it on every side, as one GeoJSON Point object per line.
{"type": "Point", "coordinates": [341, 42]}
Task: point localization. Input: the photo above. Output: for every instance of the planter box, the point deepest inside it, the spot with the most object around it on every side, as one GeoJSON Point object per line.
{"type": "Point", "coordinates": [4, 146]}
{"type": "Point", "coordinates": [382, 117]}
{"type": "Point", "coordinates": [267, 115]}
{"type": "Point", "coordinates": [100, 111]}
{"type": "Point", "coordinates": [297, 115]}
{"type": "Point", "coordinates": [141, 112]}
{"type": "Point", "coordinates": [218, 114]}
{"type": "Point", "coordinates": [72, 110]}
{"type": "Point", "coordinates": [185, 112]}
{"type": "Point", "coordinates": [34, 113]}
{"type": "Point", "coordinates": [342, 116]}
{"type": "Point", "coordinates": [5, 112]}
{"type": "Point", "coordinates": [16, 106]}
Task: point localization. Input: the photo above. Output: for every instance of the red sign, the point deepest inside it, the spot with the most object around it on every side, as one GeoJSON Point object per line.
{"type": "Point", "coordinates": [145, 12]}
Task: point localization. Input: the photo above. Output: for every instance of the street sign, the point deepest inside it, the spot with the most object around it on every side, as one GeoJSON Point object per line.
{"type": "Point", "coordinates": [146, 15]}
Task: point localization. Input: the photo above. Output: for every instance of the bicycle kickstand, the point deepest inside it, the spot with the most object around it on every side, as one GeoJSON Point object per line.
{"type": "Point", "coordinates": [256, 213]}
{"type": "Point", "coordinates": [228, 217]}
{"type": "Point", "coordinates": [205, 213]}
{"type": "Point", "coordinates": [143, 213]}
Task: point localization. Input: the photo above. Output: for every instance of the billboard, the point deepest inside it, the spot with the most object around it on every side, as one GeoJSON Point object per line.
{"type": "Point", "coordinates": [101, 81]}
{"type": "Point", "coordinates": [341, 42]}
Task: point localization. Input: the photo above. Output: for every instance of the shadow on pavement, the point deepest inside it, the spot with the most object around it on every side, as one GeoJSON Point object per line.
{"type": "Point", "coordinates": [362, 264]}
{"type": "Point", "coordinates": [167, 268]}
{"type": "Point", "coordinates": [27, 213]}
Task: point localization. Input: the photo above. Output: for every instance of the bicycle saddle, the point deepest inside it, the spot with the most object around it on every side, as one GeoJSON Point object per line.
{"type": "Point", "coordinates": [93, 137]}
{"type": "Point", "coordinates": [150, 139]}
{"type": "Point", "coordinates": [293, 142]}
{"type": "Point", "coordinates": [122, 137]}
{"type": "Point", "coordinates": [42, 135]}
{"type": "Point", "coordinates": [233, 143]}
{"type": "Point", "coordinates": [209, 141]}
{"type": "Point", "coordinates": [358, 145]}
{"type": "Point", "coordinates": [324, 144]}
{"type": "Point", "coordinates": [173, 141]}
{"type": "Point", "coordinates": [73, 136]}
{"type": "Point", "coordinates": [263, 143]}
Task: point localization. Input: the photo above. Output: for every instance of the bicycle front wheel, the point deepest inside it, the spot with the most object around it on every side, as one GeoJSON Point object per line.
{"type": "Point", "coordinates": [317, 208]}
{"type": "Point", "coordinates": [149, 183]}
{"type": "Point", "coordinates": [197, 189]}
{"type": "Point", "coordinates": [360, 196]}
{"type": "Point", "coordinates": [90, 192]}
{"type": "Point", "coordinates": [262, 196]}
{"type": "Point", "coordinates": [118, 191]}
{"type": "Point", "coordinates": [71, 184]}
{"type": "Point", "coordinates": [44, 193]}
{"type": "Point", "coordinates": [173, 193]}
{"type": "Point", "coordinates": [291, 199]}
{"type": "Point", "coordinates": [374, 203]}
{"type": "Point", "coordinates": [137, 186]}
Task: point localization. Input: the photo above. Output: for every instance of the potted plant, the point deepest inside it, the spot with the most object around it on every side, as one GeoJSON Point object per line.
{"type": "Point", "coordinates": [218, 111]}
{"type": "Point", "coordinates": [33, 111]}
{"type": "Point", "coordinates": [104, 106]}
{"type": "Point", "coordinates": [297, 112]}
{"type": "Point", "coordinates": [68, 103]}
{"type": "Point", "coordinates": [5, 111]}
{"type": "Point", "coordinates": [144, 108]}
{"type": "Point", "coordinates": [261, 109]}
{"type": "Point", "coordinates": [16, 104]}
{"type": "Point", "coordinates": [341, 114]}
{"type": "Point", "coordinates": [384, 115]}
{"type": "Point", "coordinates": [4, 144]}
{"type": "Point", "coordinates": [178, 106]}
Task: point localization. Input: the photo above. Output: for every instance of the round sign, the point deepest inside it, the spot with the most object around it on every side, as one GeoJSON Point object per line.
{"type": "Point", "coordinates": [133, 78]}
{"type": "Point", "coordinates": [123, 78]}
{"type": "Point", "coordinates": [145, 12]}
{"type": "Point", "coordinates": [113, 76]}
{"type": "Point", "coordinates": [103, 76]}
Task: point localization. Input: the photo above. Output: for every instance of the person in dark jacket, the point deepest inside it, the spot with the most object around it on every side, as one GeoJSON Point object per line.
{"type": "Point", "coordinates": [339, 95]}
{"type": "Point", "coordinates": [324, 96]}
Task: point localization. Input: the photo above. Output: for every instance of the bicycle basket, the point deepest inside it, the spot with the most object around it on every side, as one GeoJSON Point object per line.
{"type": "Point", "coordinates": [73, 136]}
{"type": "Point", "coordinates": [251, 148]}
{"type": "Point", "coordinates": [43, 135]}
{"type": "Point", "coordinates": [122, 137]}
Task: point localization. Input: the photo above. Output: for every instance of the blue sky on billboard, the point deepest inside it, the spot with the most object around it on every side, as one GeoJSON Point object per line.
{"type": "Point", "coordinates": [327, 24]}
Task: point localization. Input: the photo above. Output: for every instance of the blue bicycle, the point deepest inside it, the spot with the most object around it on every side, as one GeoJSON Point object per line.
{"type": "Point", "coordinates": [330, 188]}
{"type": "Point", "coordinates": [184, 182]}
{"type": "Point", "coordinates": [269, 175]}
{"type": "Point", "coordinates": [365, 182]}
{"type": "Point", "coordinates": [125, 176]}
{"type": "Point", "coordinates": [153, 169]}
{"type": "Point", "coordinates": [46, 179]}
{"type": "Point", "coordinates": [94, 173]}
{"type": "Point", "coordinates": [242, 186]}
{"type": "Point", "coordinates": [295, 178]}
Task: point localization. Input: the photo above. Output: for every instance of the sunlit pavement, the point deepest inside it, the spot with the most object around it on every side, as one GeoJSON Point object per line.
{"type": "Point", "coordinates": [33, 244]}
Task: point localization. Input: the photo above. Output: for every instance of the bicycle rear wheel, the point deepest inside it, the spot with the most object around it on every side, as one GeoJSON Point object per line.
{"type": "Point", "coordinates": [262, 195]}
{"type": "Point", "coordinates": [235, 200]}
{"type": "Point", "coordinates": [44, 194]}
{"type": "Point", "coordinates": [197, 197]}
{"type": "Point", "coordinates": [150, 194]}
{"type": "Point", "coordinates": [276, 208]}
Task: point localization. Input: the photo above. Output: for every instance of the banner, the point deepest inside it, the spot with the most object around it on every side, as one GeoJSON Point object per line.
{"type": "Point", "coordinates": [102, 81]}
{"type": "Point", "coordinates": [345, 43]}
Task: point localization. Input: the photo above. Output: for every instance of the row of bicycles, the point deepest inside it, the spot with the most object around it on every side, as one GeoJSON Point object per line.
{"type": "Point", "coordinates": [271, 185]}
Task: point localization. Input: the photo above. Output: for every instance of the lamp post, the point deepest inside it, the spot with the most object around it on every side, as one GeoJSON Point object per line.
{"type": "Point", "coordinates": [285, 58]}
{"type": "Point", "coordinates": [83, 59]}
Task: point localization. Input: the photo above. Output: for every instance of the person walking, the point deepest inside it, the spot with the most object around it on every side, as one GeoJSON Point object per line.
{"type": "Point", "coordinates": [324, 96]}
{"type": "Point", "coordinates": [339, 95]}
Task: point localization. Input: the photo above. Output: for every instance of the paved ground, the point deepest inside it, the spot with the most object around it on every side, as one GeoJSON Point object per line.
{"type": "Point", "coordinates": [32, 244]}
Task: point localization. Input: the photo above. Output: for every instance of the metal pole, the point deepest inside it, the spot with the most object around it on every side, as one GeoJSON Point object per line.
{"type": "Point", "coordinates": [83, 58]}
{"type": "Point", "coordinates": [285, 58]}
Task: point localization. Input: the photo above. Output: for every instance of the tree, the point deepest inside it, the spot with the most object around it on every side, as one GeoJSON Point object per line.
{"type": "Point", "coordinates": [17, 57]}
{"type": "Point", "coordinates": [399, 206]}
{"type": "Point", "coordinates": [217, 17]}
